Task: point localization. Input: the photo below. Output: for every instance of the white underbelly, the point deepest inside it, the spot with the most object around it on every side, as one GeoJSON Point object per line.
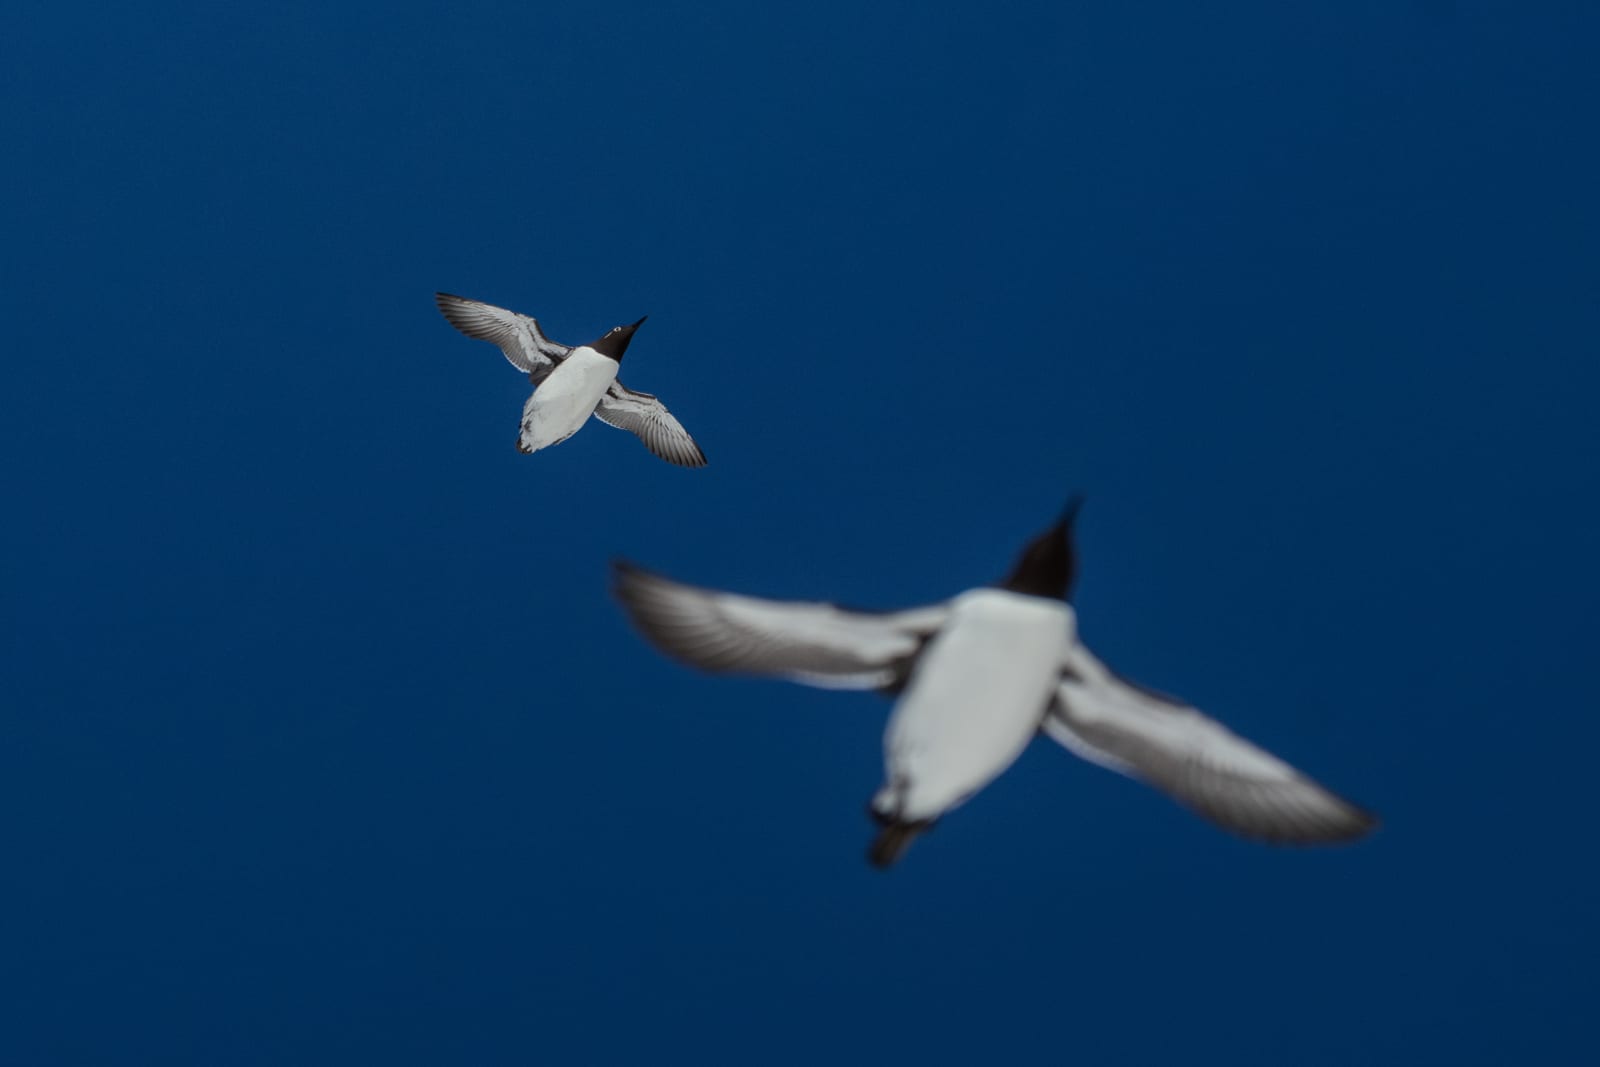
{"type": "Point", "coordinates": [560, 406]}
{"type": "Point", "coordinates": [975, 699]}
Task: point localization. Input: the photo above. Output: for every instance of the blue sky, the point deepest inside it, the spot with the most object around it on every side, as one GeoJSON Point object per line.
{"type": "Point", "coordinates": [323, 742]}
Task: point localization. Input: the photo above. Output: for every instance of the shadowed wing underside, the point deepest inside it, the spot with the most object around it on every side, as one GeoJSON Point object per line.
{"type": "Point", "coordinates": [648, 419]}
{"type": "Point", "coordinates": [518, 336]}
{"type": "Point", "coordinates": [1195, 759]}
{"type": "Point", "coordinates": [810, 642]}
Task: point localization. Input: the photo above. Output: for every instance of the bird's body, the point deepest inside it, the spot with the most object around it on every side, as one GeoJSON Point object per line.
{"type": "Point", "coordinates": [572, 383]}
{"type": "Point", "coordinates": [974, 700]}
{"type": "Point", "coordinates": [977, 677]}
{"type": "Point", "coordinates": [566, 399]}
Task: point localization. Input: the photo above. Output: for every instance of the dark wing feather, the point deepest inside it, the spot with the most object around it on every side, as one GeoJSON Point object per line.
{"type": "Point", "coordinates": [518, 336]}
{"type": "Point", "coordinates": [648, 419]}
{"type": "Point", "coordinates": [1196, 760]}
{"type": "Point", "coordinates": [804, 641]}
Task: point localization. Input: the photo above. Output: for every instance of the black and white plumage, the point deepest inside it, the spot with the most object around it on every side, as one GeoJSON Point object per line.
{"type": "Point", "coordinates": [649, 420]}
{"type": "Point", "coordinates": [977, 677]}
{"type": "Point", "coordinates": [572, 383]}
{"type": "Point", "coordinates": [1193, 758]}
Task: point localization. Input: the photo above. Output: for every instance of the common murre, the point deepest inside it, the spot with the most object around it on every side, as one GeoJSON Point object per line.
{"type": "Point", "coordinates": [976, 677]}
{"type": "Point", "coordinates": [572, 383]}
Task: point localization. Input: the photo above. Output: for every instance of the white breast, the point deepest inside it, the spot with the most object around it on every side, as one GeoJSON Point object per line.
{"type": "Point", "coordinates": [975, 699]}
{"type": "Point", "coordinates": [567, 398]}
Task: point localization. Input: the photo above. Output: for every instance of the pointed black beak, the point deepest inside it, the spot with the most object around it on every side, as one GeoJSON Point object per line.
{"type": "Point", "coordinates": [640, 323]}
{"type": "Point", "coordinates": [1069, 514]}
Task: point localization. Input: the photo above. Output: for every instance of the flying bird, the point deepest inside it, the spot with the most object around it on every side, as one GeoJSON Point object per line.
{"type": "Point", "coordinates": [976, 677]}
{"type": "Point", "coordinates": [570, 384]}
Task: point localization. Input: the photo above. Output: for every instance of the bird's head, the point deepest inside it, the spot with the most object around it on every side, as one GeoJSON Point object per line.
{"type": "Point", "coordinates": [615, 342]}
{"type": "Point", "coordinates": [1049, 563]}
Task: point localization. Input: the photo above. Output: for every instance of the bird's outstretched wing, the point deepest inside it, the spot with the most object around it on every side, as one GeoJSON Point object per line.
{"type": "Point", "coordinates": [648, 419]}
{"type": "Point", "coordinates": [518, 336]}
{"type": "Point", "coordinates": [810, 642]}
{"type": "Point", "coordinates": [1194, 759]}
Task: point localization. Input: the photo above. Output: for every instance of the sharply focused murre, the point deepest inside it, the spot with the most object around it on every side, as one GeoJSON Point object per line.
{"type": "Point", "coordinates": [572, 383]}
{"type": "Point", "coordinates": [977, 676]}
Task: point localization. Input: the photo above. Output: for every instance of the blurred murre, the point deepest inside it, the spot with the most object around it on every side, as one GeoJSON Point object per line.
{"type": "Point", "coordinates": [976, 677]}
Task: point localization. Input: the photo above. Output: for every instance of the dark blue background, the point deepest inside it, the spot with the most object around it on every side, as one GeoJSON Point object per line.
{"type": "Point", "coordinates": [323, 743]}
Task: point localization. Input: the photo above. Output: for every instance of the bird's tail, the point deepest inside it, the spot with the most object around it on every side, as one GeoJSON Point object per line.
{"type": "Point", "coordinates": [893, 840]}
